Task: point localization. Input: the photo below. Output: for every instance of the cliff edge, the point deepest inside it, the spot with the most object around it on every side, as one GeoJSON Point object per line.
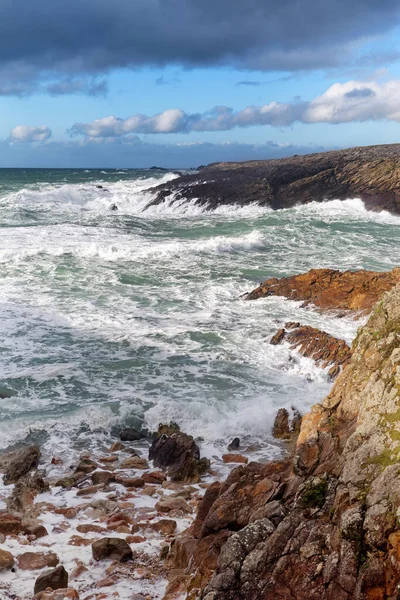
{"type": "Point", "coordinates": [323, 524]}
{"type": "Point", "coordinates": [371, 173]}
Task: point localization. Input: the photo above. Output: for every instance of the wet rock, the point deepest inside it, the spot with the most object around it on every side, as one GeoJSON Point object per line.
{"type": "Point", "coordinates": [20, 463]}
{"type": "Point", "coordinates": [25, 490]}
{"type": "Point", "coordinates": [278, 337]}
{"type": "Point", "coordinates": [131, 435]}
{"type": "Point", "coordinates": [112, 549]}
{"type": "Point", "coordinates": [329, 289]}
{"type": "Point", "coordinates": [178, 453]}
{"type": "Point", "coordinates": [86, 465]}
{"type": "Point", "coordinates": [235, 444]}
{"type": "Point", "coordinates": [117, 446]}
{"type": "Point", "coordinates": [29, 561]}
{"type": "Point", "coordinates": [10, 524]}
{"type": "Point", "coordinates": [281, 427]}
{"type": "Point", "coordinates": [36, 529]}
{"type": "Point", "coordinates": [154, 477]}
{"type": "Point", "coordinates": [6, 560]}
{"type": "Point", "coordinates": [99, 477]}
{"type": "Point", "coordinates": [135, 462]}
{"type": "Point", "coordinates": [62, 594]}
{"type": "Point", "coordinates": [130, 482]}
{"type": "Point", "coordinates": [235, 458]}
{"type": "Point", "coordinates": [370, 173]}
{"type": "Point", "coordinates": [55, 579]}
{"type": "Point", "coordinates": [165, 526]}
{"type": "Point", "coordinates": [170, 504]}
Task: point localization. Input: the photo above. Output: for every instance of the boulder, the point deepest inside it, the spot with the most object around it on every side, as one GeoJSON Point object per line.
{"type": "Point", "coordinates": [29, 561]}
{"type": "Point", "coordinates": [25, 490]}
{"type": "Point", "coordinates": [55, 579]}
{"type": "Point", "coordinates": [134, 462]}
{"type": "Point", "coordinates": [6, 560]}
{"type": "Point", "coordinates": [155, 477]}
{"type": "Point", "coordinates": [112, 549]}
{"type": "Point", "coordinates": [20, 463]}
{"type": "Point", "coordinates": [99, 477]}
{"type": "Point", "coordinates": [178, 453]}
{"type": "Point", "coordinates": [281, 427]}
{"type": "Point", "coordinates": [234, 444]}
{"type": "Point", "coordinates": [235, 458]}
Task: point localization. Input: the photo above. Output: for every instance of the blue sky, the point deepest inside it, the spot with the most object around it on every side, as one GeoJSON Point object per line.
{"type": "Point", "coordinates": [183, 82]}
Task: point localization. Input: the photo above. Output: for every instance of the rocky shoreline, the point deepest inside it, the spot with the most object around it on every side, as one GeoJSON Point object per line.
{"type": "Point", "coordinates": [150, 519]}
{"type": "Point", "coordinates": [371, 173]}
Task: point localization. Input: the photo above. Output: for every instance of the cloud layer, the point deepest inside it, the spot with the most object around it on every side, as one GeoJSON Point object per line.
{"type": "Point", "coordinates": [46, 39]}
{"type": "Point", "coordinates": [341, 103]}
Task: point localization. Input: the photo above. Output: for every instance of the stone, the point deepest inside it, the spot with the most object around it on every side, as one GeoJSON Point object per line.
{"type": "Point", "coordinates": [130, 482]}
{"type": "Point", "coordinates": [169, 504]}
{"type": "Point", "coordinates": [164, 526]}
{"type": "Point", "coordinates": [178, 453]}
{"type": "Point", "coordinates": [235, 458]}
{"type": "Point", "coordinates": [135, 462]}
{"type": "Point", "coordinates": [234, 444]}
{"type": "Point", "coordinates": [36, 529]}
{"type": "Point", "coordinates": [6, 560]}
{"type": "Point", "coordinates": [89, 490]}
{"type": "Point", "coordinates": [20, 463]}
{"type": "Point", "coordinates": [154, 477]}
{"type": "Point", "coordinates": [10, 524]}
{"type": "Point", "coordinates": [112, 549]}
{"type": "Point", "coordinates": [29, 561]}
{"type": "Point", "coordinates": [55, 579]}
{"type": "Point", "coordinates": [130, 435]}
{"type": "Point", "coordinates": [61, 594]}
{"type": "Point", "coordinates": [86, 465]}
{"type": "Point", "coordinates": [116, 447]}
{"type": "Point", "coordinates": [99, 477]}
{"type": "Point", "coordinates": [281, 427]}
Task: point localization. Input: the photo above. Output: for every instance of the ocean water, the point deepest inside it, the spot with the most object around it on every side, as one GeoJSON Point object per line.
{"type": "Point", "coordinates": [110, 318]}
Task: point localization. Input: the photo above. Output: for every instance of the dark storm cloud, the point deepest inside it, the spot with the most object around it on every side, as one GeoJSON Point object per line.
{"type": "Point", "coordinates": [49, 38]}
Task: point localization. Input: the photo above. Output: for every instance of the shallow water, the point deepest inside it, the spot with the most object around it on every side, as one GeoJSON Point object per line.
{"type": "Point", "coordinates": [135, 315]}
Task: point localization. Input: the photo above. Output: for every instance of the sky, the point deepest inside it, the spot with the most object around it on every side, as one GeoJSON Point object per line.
{"type": "Point", "coordinates": [179, 83]}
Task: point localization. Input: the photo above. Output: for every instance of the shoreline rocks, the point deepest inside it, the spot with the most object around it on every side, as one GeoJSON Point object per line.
{"type": "Point", "coordinates": [330, 289]}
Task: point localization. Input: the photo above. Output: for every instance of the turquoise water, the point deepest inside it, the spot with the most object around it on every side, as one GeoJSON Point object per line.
{"type": "Point", "coordinates": [135, 315]}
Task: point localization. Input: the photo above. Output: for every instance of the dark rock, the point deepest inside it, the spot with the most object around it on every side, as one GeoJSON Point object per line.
{"type": "Point", "coordinates": [113, 207]}
{"type": "Point", "coordinates": [20, 463]}
{"type": "Point", "coordinates": [111, 548]}
{"type": "Point", "coordinates": [278, 337]}
{"type": "Point", "coordinates": [130, 435]}
{"type": "Point", "coordinates": [25, 491]}
{"type": "Point", "coordinates": [178, 453]}
{"type": "Point", "coordinates": [235, 444]}
{"type": "Point", "coordinates": [102, 477]}
{"type": "Point", "coordinates": [55, 579]}
{"type": "Point", "coordinates": [370, 173]}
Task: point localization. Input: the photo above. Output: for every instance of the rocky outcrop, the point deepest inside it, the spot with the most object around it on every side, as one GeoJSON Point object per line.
{"type": "Point", "coordinates": [370, 173]}
{"type": "Point", "coordinates": [324, 523]}
{"type": "Point", "coordinates": [178, 453]}
{"type": "Point", "coordinates": [323, 348]}
{"type": "Point", "coordinates": [330, 289]}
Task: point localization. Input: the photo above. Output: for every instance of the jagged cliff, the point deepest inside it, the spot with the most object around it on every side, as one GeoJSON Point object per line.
{"type": "Point", "coordinates": [323, 524]}
{"type": "Point", "coordinates": [371, 173]}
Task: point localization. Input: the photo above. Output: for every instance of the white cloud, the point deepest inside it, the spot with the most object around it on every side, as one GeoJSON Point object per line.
{"type": "Point", "coordinates": [341, 103]}
{"type": "Point", "coordinates": [27, 134]}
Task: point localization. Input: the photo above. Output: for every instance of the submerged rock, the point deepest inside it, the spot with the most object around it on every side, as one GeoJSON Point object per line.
{"type": "Point", "coordinates": [323, 348]}
{"type": "Point", "coordinates": [178, 453]}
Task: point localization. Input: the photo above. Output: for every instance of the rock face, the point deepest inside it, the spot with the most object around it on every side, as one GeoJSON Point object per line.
{"type": "Point", "coordinates": [323, 348]}
{"type": "Point", "coordinates": [370, 173]}
{"type": "Point", "coordinates": [324, 523]}
{"type": "Point", "coordinates": [178, 453]}
{"type": "Point", "coordinates": [329, 289]}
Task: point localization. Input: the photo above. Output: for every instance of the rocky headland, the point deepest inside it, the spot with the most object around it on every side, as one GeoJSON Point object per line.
{"type": "Point", "coordinates": [371, 173]}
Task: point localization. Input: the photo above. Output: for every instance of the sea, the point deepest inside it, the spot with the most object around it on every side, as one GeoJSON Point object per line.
{"type": "Point", "coordinates": [133, 317]}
